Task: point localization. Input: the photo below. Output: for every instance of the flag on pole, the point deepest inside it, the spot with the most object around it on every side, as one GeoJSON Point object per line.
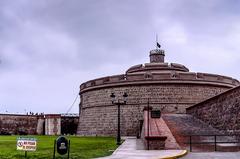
{"type": "Point", "coordinates": [158, 45]}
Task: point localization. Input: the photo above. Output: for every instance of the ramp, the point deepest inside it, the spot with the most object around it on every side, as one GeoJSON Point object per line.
{"type": "Point", "coordinates": [183, 125]}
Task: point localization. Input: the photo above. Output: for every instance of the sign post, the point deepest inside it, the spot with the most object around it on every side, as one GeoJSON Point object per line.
{"type": "Point", "coordinates": [26, 144]}
{"type": "Point", "coordinates": [54, 150]}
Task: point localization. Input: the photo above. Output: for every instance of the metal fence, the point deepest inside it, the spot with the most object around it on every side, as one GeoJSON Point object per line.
{"type": "Point", "coordinates": [213, 140]}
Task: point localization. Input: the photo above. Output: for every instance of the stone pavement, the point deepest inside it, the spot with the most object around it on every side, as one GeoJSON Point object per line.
{"type": "Point", "coordinates": [132, 148]}
{"type": "Point", "coordinates": [212, 155]}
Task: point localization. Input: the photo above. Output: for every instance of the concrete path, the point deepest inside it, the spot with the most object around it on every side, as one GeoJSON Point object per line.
{"type": "Point", "coordinates": [212, 155]}
{"type": "Point", "coordinates": [132, 149]}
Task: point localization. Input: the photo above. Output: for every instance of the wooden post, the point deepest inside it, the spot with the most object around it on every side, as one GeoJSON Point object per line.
{"type": "Point", "coordinates": [25, 154]}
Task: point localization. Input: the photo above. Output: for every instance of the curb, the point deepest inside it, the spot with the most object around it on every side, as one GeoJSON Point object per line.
{"type": "Point", "coordinates": [183, 153]}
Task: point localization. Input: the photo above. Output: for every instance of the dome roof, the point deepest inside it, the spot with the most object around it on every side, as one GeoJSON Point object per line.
{"type": "Point", "coordinates": [157, 67]}
{"type": "Point", "coordinates": [157, 64]}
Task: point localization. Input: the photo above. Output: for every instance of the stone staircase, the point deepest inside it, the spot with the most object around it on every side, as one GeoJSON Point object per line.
{"type": "Point", "coordinates": [183, 125]}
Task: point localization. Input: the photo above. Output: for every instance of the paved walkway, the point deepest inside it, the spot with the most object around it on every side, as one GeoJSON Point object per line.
{"type": "Point", "coordinates": [132, 148]}
{"type": "Point", "coordinates": [212, 155]}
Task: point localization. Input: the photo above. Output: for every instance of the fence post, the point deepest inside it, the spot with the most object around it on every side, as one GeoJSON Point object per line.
{"type": "Point", "coordinates": [215, 142]}
{"type": "Point", "coordinates": [68, 148]}
{"type": "Point", "coordinates": [54, 148]}
{"type": "Point", "coordinates": [190, 143]}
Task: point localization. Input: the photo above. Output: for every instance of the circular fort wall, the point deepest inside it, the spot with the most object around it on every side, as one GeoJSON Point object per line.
{"type": "Point", "coordinates": [168, 87]}
{"type": "Point", "coordinates": [99, 116]}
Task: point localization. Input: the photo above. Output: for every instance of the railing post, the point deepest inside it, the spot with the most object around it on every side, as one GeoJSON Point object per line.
{"type": "Point", "coordinates": [118, 126]}
{"type": "Point", "coordinates": [148, 123]}
{"type": "Point", "coordinates": [54, 150]}
{"type": "Point", "coordinates": [190, 143]}
{"type": "Point", "coordinates": [215, 142]}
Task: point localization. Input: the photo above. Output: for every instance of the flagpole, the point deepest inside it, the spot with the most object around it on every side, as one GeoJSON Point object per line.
{"type": "Point", "coordinates": [156, 41]}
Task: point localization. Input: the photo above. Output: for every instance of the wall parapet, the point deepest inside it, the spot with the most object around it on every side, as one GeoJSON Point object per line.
{"type": "Point", "coordinates": [170, 76]}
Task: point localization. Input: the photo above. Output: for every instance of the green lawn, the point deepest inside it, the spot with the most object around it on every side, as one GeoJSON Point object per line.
{"type": "Point", "coordinates": [81, 147]}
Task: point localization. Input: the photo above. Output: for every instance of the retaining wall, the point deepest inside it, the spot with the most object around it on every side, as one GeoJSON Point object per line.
{"type": "Point", "coordinates": [221, 111]}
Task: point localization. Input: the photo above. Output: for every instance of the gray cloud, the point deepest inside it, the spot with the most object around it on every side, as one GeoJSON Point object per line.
{"type": "Point", "coordinates": [48, 48]}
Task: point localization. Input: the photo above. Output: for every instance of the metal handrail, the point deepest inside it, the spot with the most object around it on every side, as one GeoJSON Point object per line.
{"type": "Point", "coordinates": [215, 142]}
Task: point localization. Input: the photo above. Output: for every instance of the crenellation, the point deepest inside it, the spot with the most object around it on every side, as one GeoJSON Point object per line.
{"type": "Point", "coordinates": [99, 82]}
{"type": "Point", "coordinates": [116, 78]}
{"type": "Point", "coordinates": [235, 82]}
{"type": "Point", "coordinates": [82, 86]}
{"type": "Point", "coordinates": [200, 75]}
{"type": "Point", "coordinates": [135, 77]}
{"type": "Point", "coordinates": [105, 79]}
{"type": "Point", "coordinates": [156, 76]}
{"type": "Point", "coordinates": [161, 76]}
{"type": "Point", "coordinates": [227, 80]}
{"type": "Point", "coordinates": [179, 66]}
{"type": "Point", "coordinates": [187, 75]}
{"type": "Point", "coordinates": [210, 77]}
{"type": "Point", "coordinates": [88, 84]}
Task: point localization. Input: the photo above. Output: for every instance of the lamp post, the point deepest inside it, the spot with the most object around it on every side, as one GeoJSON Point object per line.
{"type": "Point", "coordinates": [119, 102]}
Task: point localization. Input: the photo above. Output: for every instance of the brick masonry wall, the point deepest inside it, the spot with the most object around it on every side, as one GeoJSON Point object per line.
{"type": "Point", "coordinates": [221, 112]}
{"type": "Point", "coordinates": [37, 124]}
{"type": "Point", "coordinates": [99, 117]}
{"type": "Point", "coordinates": [18, 124]}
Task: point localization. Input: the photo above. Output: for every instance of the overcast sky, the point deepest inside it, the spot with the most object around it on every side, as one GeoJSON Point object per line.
{"type": "Point", "coordinates": [49, 47]}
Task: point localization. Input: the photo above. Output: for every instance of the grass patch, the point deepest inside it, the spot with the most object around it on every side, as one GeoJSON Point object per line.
{"type": "Point", "coordinates": [81, 147]}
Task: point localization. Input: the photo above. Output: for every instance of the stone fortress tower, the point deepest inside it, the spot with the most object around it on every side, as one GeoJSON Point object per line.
{"type": "Point", "coordinates": [168, 87]}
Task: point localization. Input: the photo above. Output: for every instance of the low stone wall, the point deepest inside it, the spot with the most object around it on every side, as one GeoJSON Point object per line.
{"type": "Point", "coordinates": [49, 124]}
{"type": "Point", "coordinates": [18, 124]}
{"type": "Point", "coordinates": [221, 111]}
